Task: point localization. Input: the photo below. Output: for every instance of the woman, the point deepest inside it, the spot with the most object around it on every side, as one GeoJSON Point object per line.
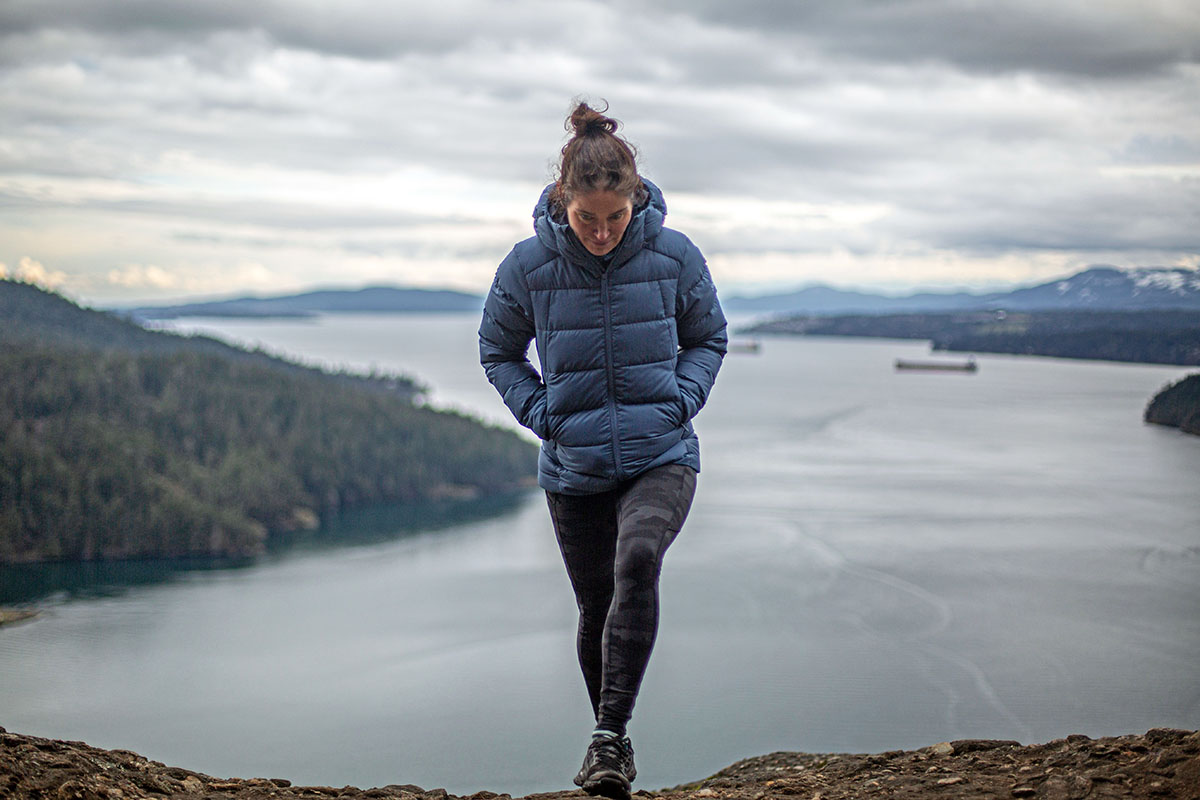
{"type": "Point", "coordinates": [630, 337]}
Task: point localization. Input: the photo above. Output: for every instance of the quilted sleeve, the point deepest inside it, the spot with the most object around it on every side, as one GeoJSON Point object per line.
{"type": "Point", "coordinates": [702, 334]}
{"type": "Point", "coordinates": [504, 337]}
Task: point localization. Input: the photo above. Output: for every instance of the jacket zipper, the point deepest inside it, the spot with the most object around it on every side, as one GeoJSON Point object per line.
{"type": "Point", "coordinates": [608, 366]}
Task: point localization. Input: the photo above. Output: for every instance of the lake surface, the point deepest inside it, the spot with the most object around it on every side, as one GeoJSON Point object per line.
{"type": "Point", "coordinates": [875, 560]}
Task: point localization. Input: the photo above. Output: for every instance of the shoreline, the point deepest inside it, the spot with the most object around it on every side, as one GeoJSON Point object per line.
{"type": "Point", "coordinates": [14, 616]}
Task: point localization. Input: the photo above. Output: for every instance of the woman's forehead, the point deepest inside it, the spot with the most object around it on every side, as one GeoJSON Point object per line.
{"type": "Point", "coordinates": [601, 203]}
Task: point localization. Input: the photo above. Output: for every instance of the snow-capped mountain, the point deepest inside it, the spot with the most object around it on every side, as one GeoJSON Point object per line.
{"type": "Point", "coordinates": [1110, 288]}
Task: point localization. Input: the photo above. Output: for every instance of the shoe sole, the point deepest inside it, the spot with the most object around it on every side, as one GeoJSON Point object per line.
{"type": "Point", "coordinates": [610, 785]}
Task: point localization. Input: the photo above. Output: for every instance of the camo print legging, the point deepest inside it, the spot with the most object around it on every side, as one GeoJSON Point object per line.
{"type": "Point", "coordinates": [613, 545]}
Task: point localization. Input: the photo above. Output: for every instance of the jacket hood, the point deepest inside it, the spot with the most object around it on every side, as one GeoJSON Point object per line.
{"type": "Point", "coordinates": [550, 225]}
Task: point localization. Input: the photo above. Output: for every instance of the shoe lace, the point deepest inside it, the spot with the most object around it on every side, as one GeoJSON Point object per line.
{"type": "Point", "coordinates": [612, 752]}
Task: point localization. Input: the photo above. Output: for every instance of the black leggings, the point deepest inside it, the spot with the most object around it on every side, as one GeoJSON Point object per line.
{"type": "Point", "coordinates": [613, 545]}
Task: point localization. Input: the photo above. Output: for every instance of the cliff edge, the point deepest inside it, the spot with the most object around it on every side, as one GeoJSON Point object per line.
{"type": "Point", "coordinates": [1164, 763]}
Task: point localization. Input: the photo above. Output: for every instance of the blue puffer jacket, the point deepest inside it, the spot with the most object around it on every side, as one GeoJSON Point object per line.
{"type": "Point", "coordinates": [629, 346]}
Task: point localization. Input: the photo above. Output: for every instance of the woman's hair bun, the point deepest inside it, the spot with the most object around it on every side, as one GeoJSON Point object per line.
{"type": "Point", "coordinates": [596, 158]}
{"type": "Point", "coordinates": [587, 121]}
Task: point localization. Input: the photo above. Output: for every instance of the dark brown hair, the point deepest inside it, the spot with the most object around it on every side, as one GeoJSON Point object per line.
{"type": "Point", "coordinates": [596, 159]}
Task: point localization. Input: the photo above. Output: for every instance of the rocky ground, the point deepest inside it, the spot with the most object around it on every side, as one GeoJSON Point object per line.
{"type": "Point", "coordinates": [1161, 764]}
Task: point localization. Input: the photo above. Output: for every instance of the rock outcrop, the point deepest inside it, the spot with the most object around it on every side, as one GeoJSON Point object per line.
{"type": "Point", "coordinates": [1163, 763]}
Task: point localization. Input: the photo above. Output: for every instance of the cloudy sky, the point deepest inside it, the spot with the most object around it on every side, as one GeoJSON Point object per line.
{"type": "Point", "coordinates": [155, 149]}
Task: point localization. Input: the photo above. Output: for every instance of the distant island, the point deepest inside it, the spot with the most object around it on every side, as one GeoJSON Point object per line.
{"type": "Point", "coordinates": [1177, 405]}
{"type": "Point", "coordinates": [372, 299]}
{"type": "Point", "coordinates": [121, 442]}
{"type": "Point", "coordinates": [1151, 337]}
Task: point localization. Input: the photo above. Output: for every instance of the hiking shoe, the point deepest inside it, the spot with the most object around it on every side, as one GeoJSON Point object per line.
{"type": "Point", "coordinates": [608, 768]}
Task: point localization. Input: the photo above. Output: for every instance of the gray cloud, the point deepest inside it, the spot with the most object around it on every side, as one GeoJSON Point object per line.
{"type": "Point", "coordinates": [993, 127]}
{"type": "Point", "coordinates": [354, 28]}
{"type": "Point", "coordinates": [279, 215]}
{"type": "Point", "coordinates": [1073, 38]}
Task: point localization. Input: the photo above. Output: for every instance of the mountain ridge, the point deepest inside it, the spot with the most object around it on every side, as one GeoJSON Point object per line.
{"type": "Point", "coordinates": [1099, 288]}
{"type": "Point", "coordinates": [368, 299]}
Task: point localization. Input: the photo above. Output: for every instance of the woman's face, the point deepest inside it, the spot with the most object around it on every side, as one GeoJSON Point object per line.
{"type": "Point", "coordinates": [599, 219]}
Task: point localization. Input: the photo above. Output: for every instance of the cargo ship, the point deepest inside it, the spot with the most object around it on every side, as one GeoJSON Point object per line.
{"type": "Point", "coordinates": [938, 366]}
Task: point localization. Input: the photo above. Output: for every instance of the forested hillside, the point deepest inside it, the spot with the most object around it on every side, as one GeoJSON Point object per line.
{"type": "Point", "coordinates": [1156, 337]}
{"type": "Point", "coordinates": [117, 442]}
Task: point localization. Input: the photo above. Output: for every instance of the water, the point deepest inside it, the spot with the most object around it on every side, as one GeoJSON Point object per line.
{"type": "Point", "coordinates": [875, 560]}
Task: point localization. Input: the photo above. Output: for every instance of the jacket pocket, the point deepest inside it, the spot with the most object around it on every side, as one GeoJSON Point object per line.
{"type": "Point", "coordinates": [681, 403]}
{"type": "Point", "coordinates": [689, 408]}
{"type": "Point", "coordinates": [537, 421]}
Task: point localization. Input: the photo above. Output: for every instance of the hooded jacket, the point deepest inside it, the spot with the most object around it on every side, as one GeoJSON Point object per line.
{"type": "Point", "coordinates": [629, 346]}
